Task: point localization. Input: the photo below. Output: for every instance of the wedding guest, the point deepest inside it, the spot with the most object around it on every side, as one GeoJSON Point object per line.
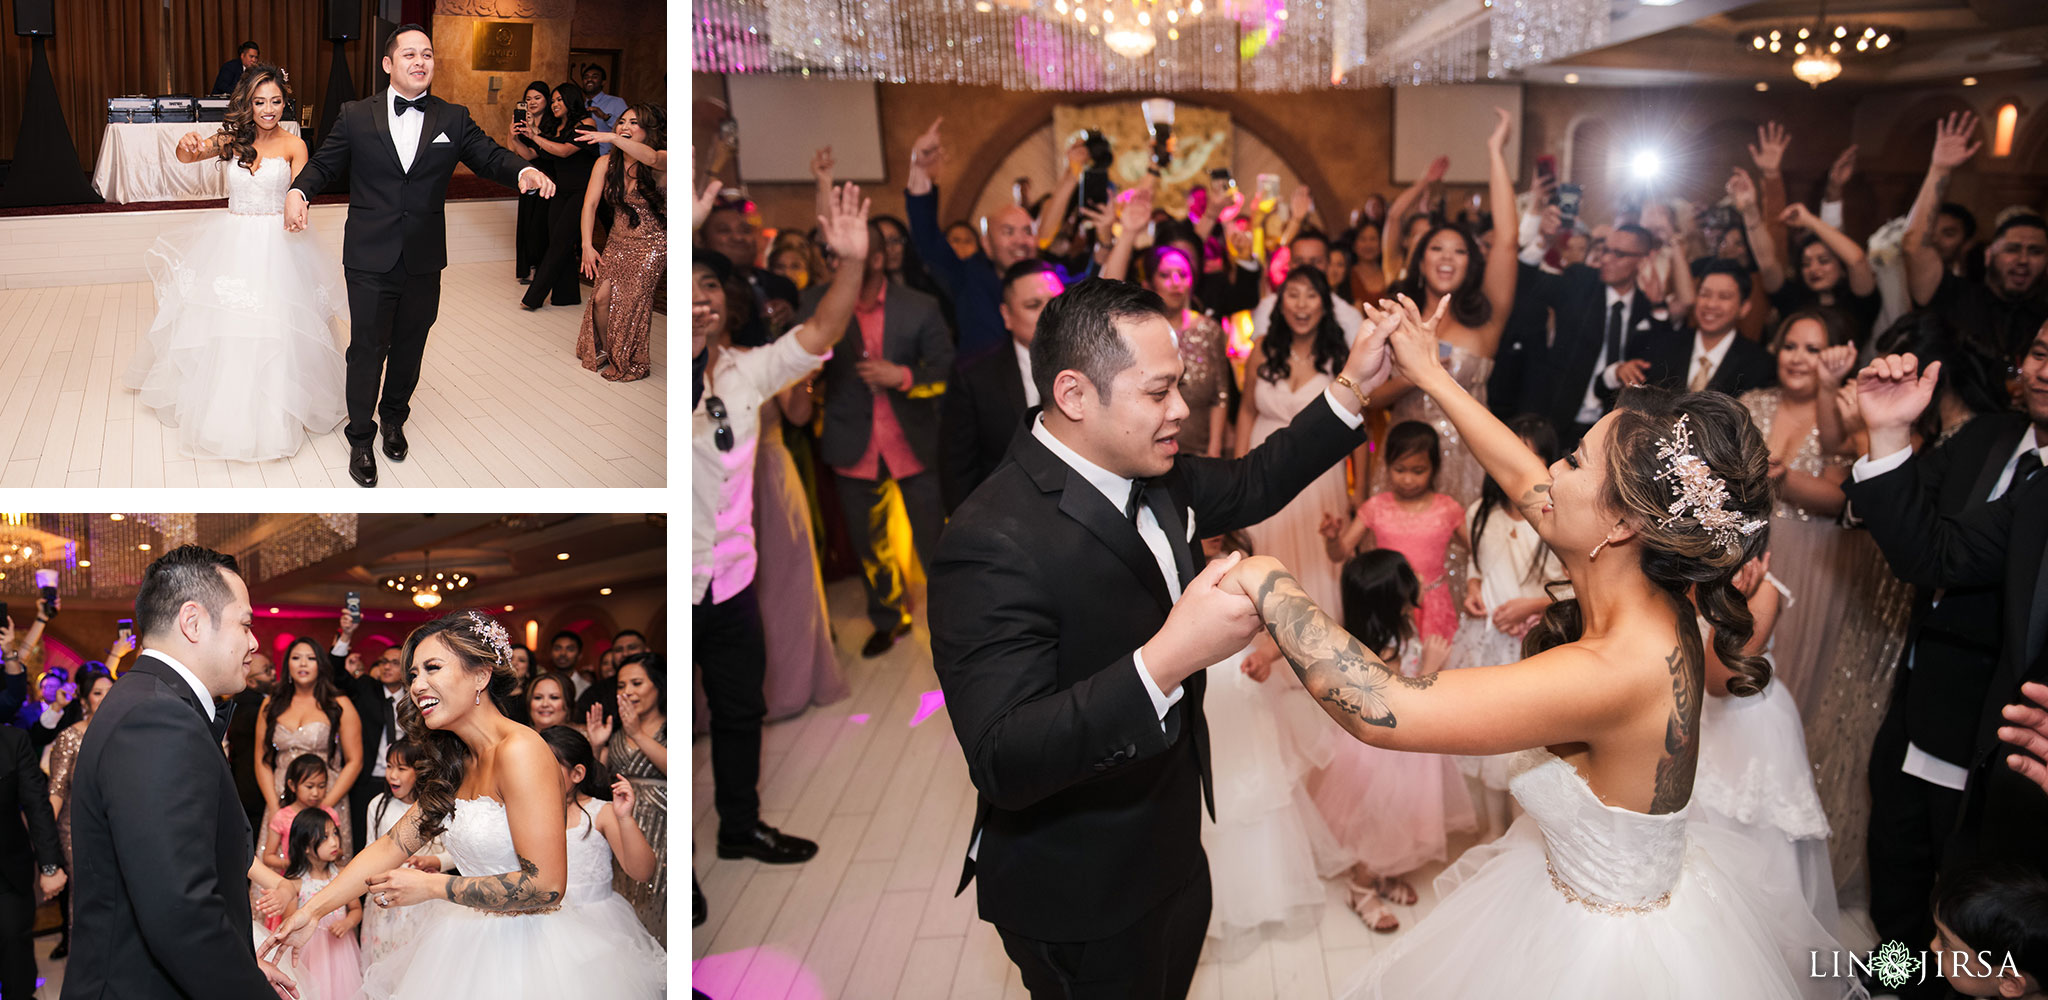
{"type": "Point", "coordinates": [530, 236]}
{"type": "Point", "coordinates": [604, 109]}
{"type": "Point", "coordinates": [548, 701]}
{"type": "Point", "coordinates": [242, 738]}
{"type": "Point", "coordinates": [962, 238]}
{"type": "Point", "coordinates": [633, 180]}
{"type": "Point", "coordinates": [28, 843]}
{"type": "Point", "coordinates": [565, 655]}
{"type": "Point", "coordinates": [386, 927]}
{"type": "Point", "coordinates": [603, 693]}
{"type": "Point", "coordinates": [2000, 313]}
{"type": "Point", "coordinates": [973, 282]}
{"type": "Point", "coordinates": [986, 398]}
{"type": "Point", "coordinates": [63, 758]}
{"type": "Point", "coordinates": [555, 276]}
{"type": "Point", "coordinates": [1309, 248]}
{"type": "Point", "coordinates": [636, 748]}
{"type": "Point", "coordinates": [794, 257]}
{"type": "Point", "coordinates": [376, 697]}
{"type": "Point", "coordinates": [731, 230]}
{"type": "Point", "coordinates": [231, 71]}
{"type": "Point", "coordinates": [43, 717]}
{"type": "Point", "coordinates": [309, 716]}
{"type": "Point", "coordinates": [1991, 936]}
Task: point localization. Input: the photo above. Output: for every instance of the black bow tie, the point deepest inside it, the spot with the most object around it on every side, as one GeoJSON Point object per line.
{"type": "Point", "coordinates": [401, 105]}
{"type": "Point", "coordinates": [221, 714]}
{"type": "Point", "coordinates": [2029, 463]}
{"type": "Point", "coordinates": [1136, 502]}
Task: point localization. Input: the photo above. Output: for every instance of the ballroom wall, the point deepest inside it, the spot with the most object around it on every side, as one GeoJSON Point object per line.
{"type": "Point", "coordinates": [1338, 140]}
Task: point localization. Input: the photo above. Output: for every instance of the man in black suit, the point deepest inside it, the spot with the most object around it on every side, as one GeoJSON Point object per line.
{"type": "Point", "coordinates": [399, 147]}
{"type": "Point", "coordinates": [231, 71]}
{"type": "Point", "coordinates": [159, 843]}
{"type": "Point", "coordinates": [1574, 378]}
{"type": "Point", "coordinates": [1070, 631]}
{"type": "Point", "coordinates": [28, 842]}
{"type": "Point", "coordinates": [1999, 543]}
{"type": "Point", "coordinates": [1917, 762]}
{"type": "Point", "coordinates": [986, 398]}
{"type": "Point", "coordinates": [242, 738]}
{"type": "Point", "coordinates": [1712, 356]}
{"type": "Point", "coordinates": [376, 696]}
{"type": "Point", "coordinates": [882, 425]}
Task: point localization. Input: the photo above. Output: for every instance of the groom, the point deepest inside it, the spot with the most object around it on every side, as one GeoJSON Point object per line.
{"type": "Point", "coordinates": [160, 847]}
{"type": "Point", "coordinates": [400, 147]}
{"type": "Point", "coordinates": [1070, 631]}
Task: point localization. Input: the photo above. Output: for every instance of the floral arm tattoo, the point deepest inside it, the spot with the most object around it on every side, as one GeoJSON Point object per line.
{"type": "Point", "coordinates": [506, 892]}
{"type": "Point", "coordinates": [1349, 681]}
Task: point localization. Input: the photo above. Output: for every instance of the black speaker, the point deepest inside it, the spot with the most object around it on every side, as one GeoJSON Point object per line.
{"type": "Point", "coordinates": [35, 17]}
{"type": "Point", "coordinates": [344, 20]}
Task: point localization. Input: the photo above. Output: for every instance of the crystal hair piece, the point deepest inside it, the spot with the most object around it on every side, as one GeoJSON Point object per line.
{"type": "Point", "coordinates": [1699, 492]}
{"type": "Point", "coordinates": [492, 632]}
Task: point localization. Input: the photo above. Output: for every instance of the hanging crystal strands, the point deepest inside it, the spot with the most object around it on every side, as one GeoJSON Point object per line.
{"type": "Point", "coordinates": [1529, 32]}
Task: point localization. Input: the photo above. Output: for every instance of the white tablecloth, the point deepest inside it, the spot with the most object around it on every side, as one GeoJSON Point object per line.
{"type": "Point", "coordinates": [140, 163]}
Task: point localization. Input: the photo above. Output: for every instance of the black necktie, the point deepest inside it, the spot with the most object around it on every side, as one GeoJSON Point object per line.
{"type": "Point", "coordinates": [221, 714]}
{"type": "Point", "coordinates": [1614, 332]}
{"type": "Point", "coordinates": [2024, 469]}
{"type": "Point", "coordinates": [400, 105]}
{"type": "Point", "coordinates": [1136, 502]}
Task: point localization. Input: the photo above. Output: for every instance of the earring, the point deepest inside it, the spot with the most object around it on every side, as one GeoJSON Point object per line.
{"type": "Point", "coordinates": [1595, 554]}
{"type": "Point", "coordinates": [479, 696]}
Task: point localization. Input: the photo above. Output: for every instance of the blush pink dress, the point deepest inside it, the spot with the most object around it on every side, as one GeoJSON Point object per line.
{"type": "Point", "coordinates": [1294, 535]}
{"type": "Point", "coordinates": [1424, 538]}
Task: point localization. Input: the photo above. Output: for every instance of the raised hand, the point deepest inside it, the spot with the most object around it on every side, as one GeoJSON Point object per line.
{"type": "Point", "coordinates": [925, 153]}
{"type": "Point", "coordinates": [1137, 210]}
{"type": "Point", "coordinates": [629, 717]}
{"type": "Point", "coordinates": [1301, 203]}
{"type": "Point", "coordinates": [1414, 343]}
{"type": "Point", "coordinates": [1839, 174]}
{"type": "Point", "coordinates": [1103, 218]}
{"type": "Point", "coordinates": [822, 164]}
{"type": "Point", "coordinates": [622, 797]}
{"type": "Point", "coordinates": [591, 137]}
{"type": "Point", "coordinates": [1436, 169]}
{"type": "Point", "coordinates": [845, 227]}
{"type": "Point", "coordinates": [1768, 151]}
{"type": "Point", "coordinates": [597, 727]}
{"type": "Point", "coordinates": [1798, 216]}
{"type": "Point", "coordinates": [1892, 391]}
{"type": "Point", "coordinates": [1836, 363]}
{"type": "Point", "coordinates": [1955, 141]}
{"type": "Point", "coordinates": [1077, 158]}
{"type": "Point", "coordinates": [1742, 191]}
{"type": "Point", "coordinates": [1503, 126]}
{"type": "Point", "coordinates": [1850, 409]}
{"type": "Point", "coordinates": [701, 208]}
{"type": "Point", "coordinates": [1370, 363]}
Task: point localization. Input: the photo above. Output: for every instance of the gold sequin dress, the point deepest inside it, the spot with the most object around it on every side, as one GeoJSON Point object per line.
{"type": "Point", "coordinates": [634, 265]}
{"type": "Point", "coordinates": [650, 810]}
{"type": "Point", "coordinates": [1204, 381]}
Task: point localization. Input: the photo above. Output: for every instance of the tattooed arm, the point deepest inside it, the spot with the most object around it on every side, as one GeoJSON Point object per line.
{"type": "Point", "coordinates": [1563, 695]}
{"type": "Point", "coordinates": [528, 784]}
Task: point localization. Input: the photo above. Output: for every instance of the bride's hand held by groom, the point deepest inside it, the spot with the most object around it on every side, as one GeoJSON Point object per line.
{"type": "Point", "coordinates": [1207, 624]}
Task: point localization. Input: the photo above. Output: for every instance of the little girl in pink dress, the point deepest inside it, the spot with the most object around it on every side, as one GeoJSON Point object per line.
{"type": "Point", "coordinates": [1413, 519]}
{"type": "Point", "coordinates": [329, 967]}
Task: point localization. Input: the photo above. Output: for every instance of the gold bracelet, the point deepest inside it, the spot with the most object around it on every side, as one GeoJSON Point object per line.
{"type": "Point", "coordinates": [1345, 381]}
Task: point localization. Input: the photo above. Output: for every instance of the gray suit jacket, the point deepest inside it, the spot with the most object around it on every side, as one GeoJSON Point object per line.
{"type": "Point", "coordinates": [914, 334]}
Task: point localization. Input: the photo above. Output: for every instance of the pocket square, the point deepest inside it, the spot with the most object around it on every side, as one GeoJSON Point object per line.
{"type": "Point", "coordinates": [1191, 525]}
{"type": "Point", "coordinates": [439, 139]}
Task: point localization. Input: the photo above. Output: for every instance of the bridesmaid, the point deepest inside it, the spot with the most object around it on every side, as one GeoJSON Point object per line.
{"type": "Point", "coordinates": [632, 179]}
{"type": "Point", "coordinates": [554, 278]}
{"type": "Point", "coordinates": [63, 763]}
{"type": "Point", "coordinates": [310, 716]}
{"type": "Point", "coordinates": [530, 239]}
{"type": "Point", "coordinates": [637, 749]}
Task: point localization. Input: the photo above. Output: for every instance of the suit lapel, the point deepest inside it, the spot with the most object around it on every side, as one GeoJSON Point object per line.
{"type": "Point", "coordinates": [1012, 378]}
{"type": "Point", "coordinates": [1993, 465]}
{"type": "Point", "coordinates": [428, 130]}
{"type": "Point", "coordinates": [381, 120]}
{"type": "Point", "coordinates": [1168, 511]}
{"type": "Point", "coordinates": [1084, 503]}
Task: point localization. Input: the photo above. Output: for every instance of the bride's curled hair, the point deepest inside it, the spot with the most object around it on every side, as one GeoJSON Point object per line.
{"type": "Point", "coordinates": [1694, 566]}
{"type": "Point", "coordinates": [239, 124]}
{"type": "Point", "coordinates": [443, 757]}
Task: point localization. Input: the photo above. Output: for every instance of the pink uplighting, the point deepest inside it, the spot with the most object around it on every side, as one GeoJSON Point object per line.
{"type": "Point", "coordinates": [754, 972]}
{"type": "Point", "coordinates": [927, 703]}
{"type": "Point", "coordinates": [858, 720]}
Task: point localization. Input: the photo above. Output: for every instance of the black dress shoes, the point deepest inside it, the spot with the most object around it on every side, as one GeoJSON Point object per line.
{"type": "Point", "coordinates": [880, 642]}
{"type": "Point", "coordinates": [362, 465]}
{"type": "Point", "coordinates": [767, 844]}
{"type": "Point", "coordinates": [394, 442]}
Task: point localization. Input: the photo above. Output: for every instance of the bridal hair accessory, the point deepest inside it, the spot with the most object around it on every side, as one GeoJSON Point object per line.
{"type": "Point", "coordinates": [495, 634]}
{"type": "Point", "coordinates": [1700, 492]}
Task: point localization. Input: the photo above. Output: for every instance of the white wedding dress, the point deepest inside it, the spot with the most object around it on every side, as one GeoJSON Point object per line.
{"type": "Point", "coordinates": [1584, 900]}
{"type": "Point", "coordinates": [587, 948]}
{"type": "Point", "coordinates": [242, 358]}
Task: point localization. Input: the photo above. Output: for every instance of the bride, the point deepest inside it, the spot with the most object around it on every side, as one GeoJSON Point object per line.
{"type": "Point", "coordinates": [491, 790]}
{"type": "Point", "coordinates": [241, 358]}
{"type": "Point", "coordinates": [1602, 889]}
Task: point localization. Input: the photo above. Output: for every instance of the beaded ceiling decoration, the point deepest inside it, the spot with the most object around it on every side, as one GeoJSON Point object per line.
{"type": "Point", "coordinates": [105, 555]}
{"type": "Point", "coordinates": [1163, 45]}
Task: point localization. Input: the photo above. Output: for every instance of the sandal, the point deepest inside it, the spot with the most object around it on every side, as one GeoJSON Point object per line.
{"type": "Point", "coordinates": [1366, 902]}
{"type": "Point", "coordinates": [1396, 891]}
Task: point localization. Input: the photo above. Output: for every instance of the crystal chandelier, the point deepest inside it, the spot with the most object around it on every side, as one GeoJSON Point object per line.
{"type": "Point", "coordinates": [1817, 49]}
{"type": "Point", "coordinates": [426, 588]}
{"type": "Point", "coordinates": [1816, 67]}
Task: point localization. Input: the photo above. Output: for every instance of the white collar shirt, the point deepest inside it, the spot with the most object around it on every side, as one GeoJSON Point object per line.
{"type": "Point", "coordinates": [405, 128]}
{"type": "Point", "coordinates": [1024, 370]}
{"type": "Point", "coordinates": [205, 696]}
{"type": "Point", "coordinates": [1714, 355]}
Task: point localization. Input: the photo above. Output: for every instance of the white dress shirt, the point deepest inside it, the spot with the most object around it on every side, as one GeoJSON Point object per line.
{"type": "Point", "coordinates": [1024, 369]}
{"type": "Point", "coordinates": [405, 128]}
{"type": "Point", "coordinates": [1714, 355]}
{"type": "Point", "coordinates": [384, 741]}
{"type": "Point", "coordinates": [205, 696]}
{"type": "Point", "coordinates": [1591, 408]}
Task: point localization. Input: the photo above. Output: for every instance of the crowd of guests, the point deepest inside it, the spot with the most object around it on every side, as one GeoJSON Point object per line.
{"type": "Point", "coordinates": [323, 768]}
{"type": "Point", "coordinates": [1899, 626]}
{"type": "Point", "coordinates": [609, 222]}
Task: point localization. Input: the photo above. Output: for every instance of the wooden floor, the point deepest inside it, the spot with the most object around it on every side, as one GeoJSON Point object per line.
{"type": "Point", "coordinates": [501, 402]}
{"type": "Point", "coordinates": [874, 915]}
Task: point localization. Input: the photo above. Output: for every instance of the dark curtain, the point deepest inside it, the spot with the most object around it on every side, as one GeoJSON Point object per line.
{"type": "Point", "coordinates": [107, 48]}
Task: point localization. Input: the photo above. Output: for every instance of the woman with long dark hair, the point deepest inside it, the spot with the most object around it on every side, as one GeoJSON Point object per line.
{"type": "Point", "coordinates": [555, 279]}
{"type": "Point", "coordinates": [491, 790]}
{"type": "Point", "coordinates": [1604, 889]}
{"type": "Point", "coordinates": [241, 358]}
{"type": "Point", "coordinates": [530, 239]}
{"type": "Point", "coordinates": [633, 181]}
{"type": "Point", "coordinates": [309, 715]}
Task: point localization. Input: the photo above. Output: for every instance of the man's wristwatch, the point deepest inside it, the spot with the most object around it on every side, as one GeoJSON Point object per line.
{"type": "Point", "coordinates": [49, 870]}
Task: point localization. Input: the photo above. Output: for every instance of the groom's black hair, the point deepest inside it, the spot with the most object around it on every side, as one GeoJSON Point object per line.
{"type": "Point", "coordinates": [1078, 331]}
{"type": "Point", "coordinates": [186, 573]}
{"type": "Point", "coordinates": [391, 44]}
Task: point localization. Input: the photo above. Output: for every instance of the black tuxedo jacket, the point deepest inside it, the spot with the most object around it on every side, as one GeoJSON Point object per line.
{"type": "Point", "coordinates": [24, 794]}
{"type": "Point", "coordinates": [2004, 543]}
{"type": "Point", "coordinates": [160, 852]}
{"type": "Point", "coordinates": [395, 214]}
{"type": "Point", "coordinates": [371, 708]}
{"type": "Point", "coordinates": [1954, 645]}
{"type": "Point", "coordinates": [1554, 375]}
{"type": "Point", "coordinates": [979, 414]}
{"type": "Point", "coordinates": [1746, 366]}
{"type": "Point", "coordinates": [1041, 591]}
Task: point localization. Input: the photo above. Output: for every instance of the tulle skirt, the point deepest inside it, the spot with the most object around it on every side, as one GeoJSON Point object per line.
{"type": "Point", "coordinates": [1502, 929]}
{"type": "Point", "coordinates": [328, 967]}
{"type": "Point", "coordinates": [1392, 809]}
{"type": "Point", "coordinates": [241, 357]}
{"type": "Point", "coordinates": [595, 949]}
{"type": "Point", "coordinates": [1269, 849]}
{"type": "Point", "coordinates": [1753, 779]}
{"type": "Point", "coordinates": [1479, 644]}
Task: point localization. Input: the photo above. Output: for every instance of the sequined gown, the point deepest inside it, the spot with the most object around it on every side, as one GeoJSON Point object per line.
{"type": "Point", "coordinates": [635, 263]}
{"type": "Point", "coordinates": [309, 738]}
{"type": "Point", "coordinates": [1294, 535]}
{"type": "Point", "coordinates": [1837, 644]}
{"type": "Point", "coordinates": [63, 763]}
{"type": "Point", "coordinates": [650, 810]}
{"type": "Point", "coordinates": [1204, 381]}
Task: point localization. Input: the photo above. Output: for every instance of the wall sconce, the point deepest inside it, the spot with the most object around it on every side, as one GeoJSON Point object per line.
{"type": "Point", "coordinates": [2007, 123]}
